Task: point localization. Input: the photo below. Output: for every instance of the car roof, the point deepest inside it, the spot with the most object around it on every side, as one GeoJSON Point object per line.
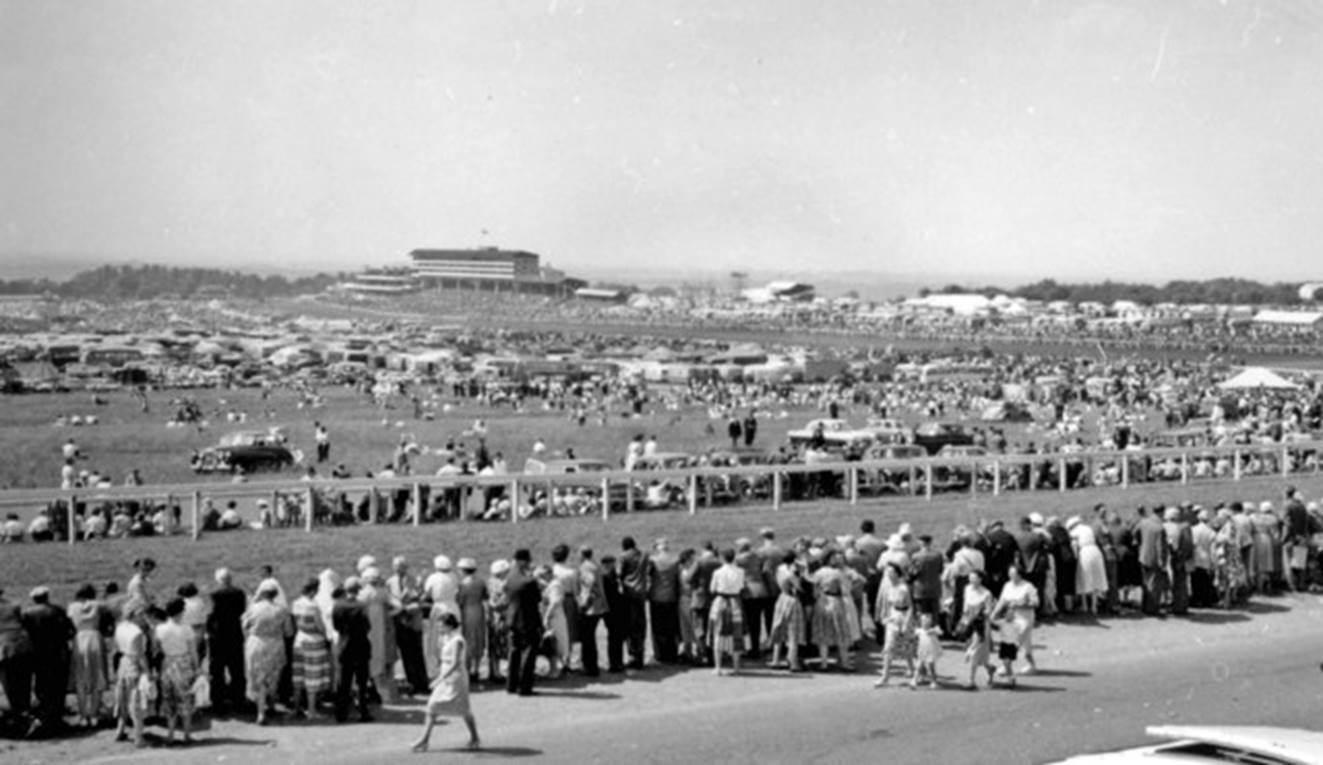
{"type": "Point", "coordinates": [1289, 744]}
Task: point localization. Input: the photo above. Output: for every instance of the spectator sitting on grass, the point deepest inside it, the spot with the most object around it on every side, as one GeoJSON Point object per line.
{"type": "Point", "coordinates": [12, 529]}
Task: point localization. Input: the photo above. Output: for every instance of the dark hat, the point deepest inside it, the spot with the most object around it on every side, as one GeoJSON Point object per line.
{"type": "Point", "coordinates": [523, 555]}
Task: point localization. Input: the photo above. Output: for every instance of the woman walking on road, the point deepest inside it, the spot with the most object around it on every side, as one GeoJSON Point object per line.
{"type": "Point", "coordinates": [266, 626]}
{"type": "Point", "coordinates": [450, 689]}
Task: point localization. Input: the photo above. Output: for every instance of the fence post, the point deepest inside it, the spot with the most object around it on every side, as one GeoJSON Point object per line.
{"type": "Point", "coordinates": [418, 504]}
{"type": "Point", "coordinates": [973, 478]}
{"type": "Point", "coordinates": [275, 505]}
{"type": "Point", "coordinates": [1235, 465]}
{"type": "Point", "coordinates": [928, 478]}
{"type": "Point", "coordinates": [73, 527]}
{"type": "Point", "coordinates": [707, 492]}
{"type": "Point", "coordinates": [1061, 474]}
{"type": "Point", "coordinates": [854, 485]}
{"type": "Point", "coordinates": [996, 478]}
{"type": "Point", "coordinates": [693, 494]}
{"type": "Point", "coordinates": [629, 495]}
{"type": "Point", "coordinates": [1125, 472]}
{"type": "Point", "coordinates": [776, 491]}
{"type": "Point", "coordinates": [1286, 461]}
{"type": "Point", "coordinates": [169, 514]}
{"type": "Point", "coordinates": [197, 515]}
{"type": "Point", "coordinates": [1185, 467]}
{"type": "Point", "coordinates": [606, 498]}
{"type": "Point", "coordinates": [514, 500]}
{"type": "Point", "coordinates": [312, 508]}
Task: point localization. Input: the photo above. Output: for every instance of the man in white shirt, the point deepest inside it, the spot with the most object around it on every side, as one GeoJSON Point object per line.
{"type": "Point", "coordinates": [650, 448]}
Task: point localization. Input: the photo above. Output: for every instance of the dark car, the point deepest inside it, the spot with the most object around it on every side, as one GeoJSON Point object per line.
{"type": "Point", "coordinates": [247, 452]}
{"type": "Point", "coordinates": [932, 436]}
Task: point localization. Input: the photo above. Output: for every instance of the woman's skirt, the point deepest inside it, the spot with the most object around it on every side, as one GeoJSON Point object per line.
{"type": "Point", "coordinates": [473, 622]}
{"type": "Point", "coordinates": [1265, 556]}
{"type": "Point", "coordinates": [898, 643]}
{"type": "Point", "coordinates": [177, 676]}
{"type": "Point", "coordinates": [854, 626]}
{"type": "Point", "coordinates": [787, 621]}
{"type": "Point", "coordinates": [1091, 578]}
{"type": "Point", "coordinates": [831, 624]}
{"type": "Point", "coordinates": [89, 663]}
{"type": "Point", "coordinates": [727, 623]}
{"type": "Point", "coordinates": [263, 659]}
{"type": "Point", "coordinates": [130, 701]}
{"type": "Point", "coordinates": [311, 669]}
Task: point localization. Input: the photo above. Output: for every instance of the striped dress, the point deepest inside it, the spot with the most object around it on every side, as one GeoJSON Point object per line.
{"type": "Point", "coordinates": [312, 653]}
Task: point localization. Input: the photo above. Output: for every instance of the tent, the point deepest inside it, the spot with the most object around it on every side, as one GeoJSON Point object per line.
{"type": "Point", "coordinates": [1257, 377]}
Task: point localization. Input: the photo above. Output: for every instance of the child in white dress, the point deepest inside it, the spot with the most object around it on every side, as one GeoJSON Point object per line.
{"type": "Point", "coordinates": [929, 649]}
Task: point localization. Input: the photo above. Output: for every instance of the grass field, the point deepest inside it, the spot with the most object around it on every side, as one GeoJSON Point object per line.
{"type": "Point", "coordinates": [298, 554]}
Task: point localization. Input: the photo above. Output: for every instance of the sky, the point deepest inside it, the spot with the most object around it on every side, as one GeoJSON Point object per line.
{"type": "Point", "coordinates": [1001, 141]}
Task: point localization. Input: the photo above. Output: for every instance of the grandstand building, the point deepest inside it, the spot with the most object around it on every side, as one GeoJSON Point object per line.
{"type": "Point", "coordinates": [490, 268]}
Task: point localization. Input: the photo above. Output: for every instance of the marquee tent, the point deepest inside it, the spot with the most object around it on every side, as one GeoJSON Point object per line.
{"type": "Point", "coordinates": [1257, 377]}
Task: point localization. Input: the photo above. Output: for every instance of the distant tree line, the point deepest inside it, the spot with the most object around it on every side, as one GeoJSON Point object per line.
{"type": "Point", "coordinates": [1214, 291]}
{"type": "Point", "coordinates": [146, 282]}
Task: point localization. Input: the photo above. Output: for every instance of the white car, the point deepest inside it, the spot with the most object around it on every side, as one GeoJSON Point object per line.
{"type": "Point", "coordinates": [1194, 744]}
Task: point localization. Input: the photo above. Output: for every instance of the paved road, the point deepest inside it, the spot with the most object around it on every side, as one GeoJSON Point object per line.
{"type": "Point", "coordinates": [1102, 683]}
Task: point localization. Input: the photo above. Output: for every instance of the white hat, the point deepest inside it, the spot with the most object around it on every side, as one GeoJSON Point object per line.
{"type": "Point", "coordinates": [1036, 519]}
{"type": "Point", "coordinates": [366, 562]}
{"type": "Point", "coordinates": [441, 563]}
{"type": "Point", "coordinates": [500, 567]}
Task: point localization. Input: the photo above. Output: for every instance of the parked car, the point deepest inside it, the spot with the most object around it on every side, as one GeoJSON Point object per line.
{"type": "Point", "coordinates": [834, 432]}
{"type": "Point", "coordinates": [664, 492]}
{"type": "Point", "coordinates": [619, 490]}
{"type": "Point", "coordinates": [888, 431]}
{"type": "Point", "coordinates": [247, 452]}
{"type": "Point", "coordinates": [1193, 744]}
{"type": "Point", "coordinates": [729, 488]}
{"type": "Point", "coordinates": [891, 480]}
{"type": "Point", "coordinates": [934, 435]}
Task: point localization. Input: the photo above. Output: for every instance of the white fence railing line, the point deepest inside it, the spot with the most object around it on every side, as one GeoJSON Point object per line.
{"type": "Point", "coordinates": [921, 465]}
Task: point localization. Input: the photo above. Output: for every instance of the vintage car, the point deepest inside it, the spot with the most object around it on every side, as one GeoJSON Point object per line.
{"type": "Point", "coordinates": [246, 452]}
{"type": "Point", "coordinates": [935, 435]}
{"type": "Point", "coordinates": [891, 480]}
{"type": "Point", "coordinates": [834, 432]}
{"type": "Point", "coordinates": [730, 488]}
{"type": "Point", "coordinates": [888, 431]}
{"type": "Point", "coordinates": [619, 490]}
{"type": "Point", "coordinates": [664, 492]}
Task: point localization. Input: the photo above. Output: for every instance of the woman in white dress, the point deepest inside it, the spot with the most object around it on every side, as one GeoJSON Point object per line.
{"type": "Point", "coordinates": [1018, 602]}
{"type": "Point", "coordinates": [450, 689]}
{"type": "Point", "coordinates": [441, 588]}
{"type": "Point", "coordinates": [553, 617]}
{"type": "Point", "coordinates": [1091, 575]}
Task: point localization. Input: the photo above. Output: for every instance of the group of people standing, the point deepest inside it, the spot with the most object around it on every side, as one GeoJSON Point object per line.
{"type": "Point", "coordinates": [342, 642]}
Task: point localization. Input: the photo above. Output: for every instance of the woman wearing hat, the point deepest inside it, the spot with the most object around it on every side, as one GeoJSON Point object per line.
{"type": "Point", "coordinates": [441, 592]}
{"type": "Point", "coordinates": [381, 664]}
{"type": "Point", "coordinates": [89, 662]}
{"type": "Point", "coordinates": [312, 651]}
{"type": "Point", "coordinates": [1091, 573]}
{"type": "Point", "coordinates": [265, 627]}
{"type": "Point", "coordinates": [498, 632]}
{"type": "Point", "coordinates": [472, 602]}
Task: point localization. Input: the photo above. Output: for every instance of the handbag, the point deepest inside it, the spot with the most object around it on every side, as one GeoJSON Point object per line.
{"type": "Point", "coordinates": [147, 688]}
{"type": "Point", "coordinates": [201, 692]}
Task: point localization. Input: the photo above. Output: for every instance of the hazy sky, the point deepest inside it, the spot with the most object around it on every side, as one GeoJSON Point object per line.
{"type": "Point", "coordinates": [1129, 138]}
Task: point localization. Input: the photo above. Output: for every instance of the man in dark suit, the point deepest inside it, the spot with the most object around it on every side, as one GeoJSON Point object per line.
{"type": "Point", "coordinates": [1153, 555]}
{"type": "Point", "coordinates": [593, 605]}
{"type": "Point", "coordinates": [615, 615]}
{"type": "Point", "coordinates": [927, 565]}
{"type": "Point", "coordinates": [353, 649]}
{"type": "Point", "coordinates": [1033, 562]}
{"type": "Point", "coordinates": [664, 603]}
{"type": "Point", "coordinates": [225, 643]}
{"type": "Point", "coordinates": [636, 573]}
{"type": "Point", "coordinates": [524, 619]}
{"type": "Point", "coordinates": [15, 660]}
{"type": "Point", "coordinates": [50, 631]}
{"type": "Point", "coordinates": [700, 600]}
{"type": "Point", "coordinates": [1003, 550]}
